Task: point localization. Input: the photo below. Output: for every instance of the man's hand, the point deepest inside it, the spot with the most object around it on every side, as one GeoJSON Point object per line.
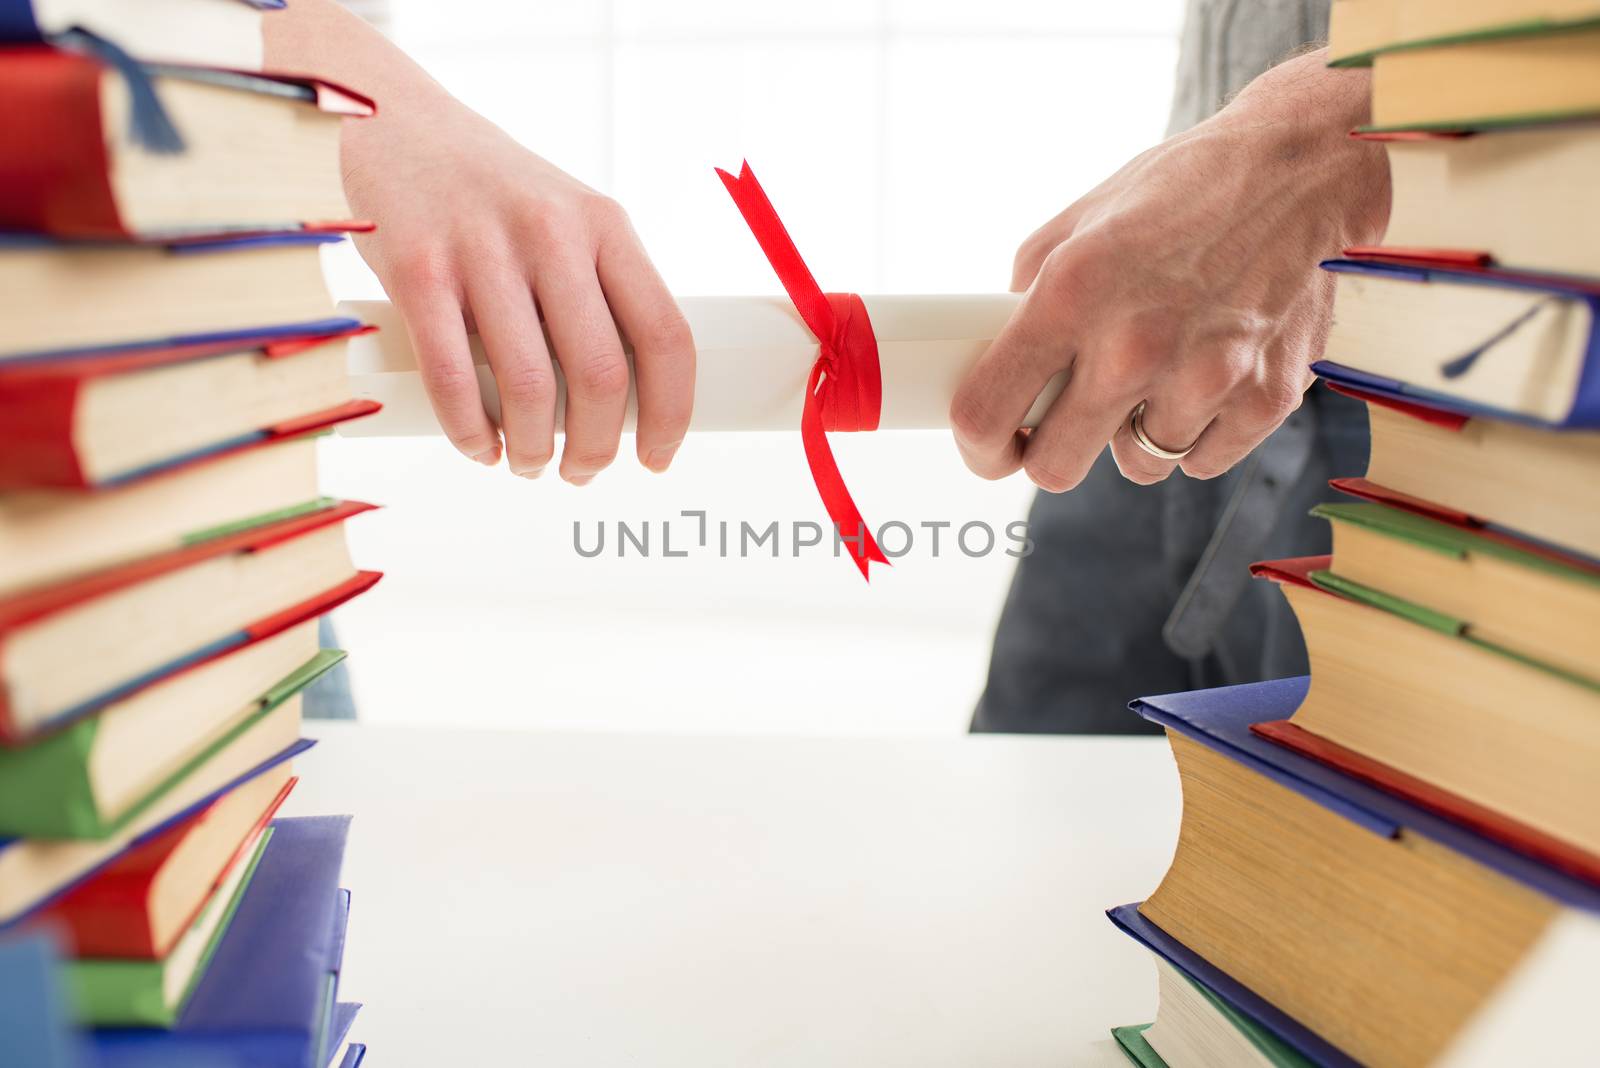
{"type": "Point", "coordinates": [1187, 280]}
{"type": "Point", "coordinates": [475, 233]}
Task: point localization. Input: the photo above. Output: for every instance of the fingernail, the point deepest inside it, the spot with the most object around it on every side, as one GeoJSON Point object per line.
{"type": "Point", "coordinates": [529, 473]}
{"type": "Point", "coordinates": [660, 459]}
{"type": "Point", "coordinates": [580, 480]}
{"type": "Point", "coordinates": [489, 457]}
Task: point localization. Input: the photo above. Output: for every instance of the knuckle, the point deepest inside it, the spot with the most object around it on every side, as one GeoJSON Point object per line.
{"type": "Point", "coordinates": [1029, 254]}
{"type": "Point", "coordinates": [671, 417]}
{"type": "Point", "coordinates": [1271, 402]}
{"type": "Point", "coordinates": [1145, 344]}
{"type": "Point", "coordinates": [526, 385]}
{"type": "Point", "coordinates": [986, 468]}
{"type": "Point", "coordinates": [423, 269]}
{"type": "Point", "coordinates": [449, 381]}
{"type": "Point", "coordinates": [1059, 273]}
{"type": "Point", "coordinates": [1138, 356]}
{"type": "Point", "coordinates": [590, 458]}
{"type": "Point", "coordinates": [601, 205]}
{"type": "Point", "coordinates": [969, 417]}
{"type": "Point", "coordinates": [669, 332]}
{"type": "Point", "coordinates": [1153, 334]}
{"type": "Point", "coordinates": [1142, 477]}
{"type": "Point", "coordinates": [1236, 363]}
{"type": "Point", "coordinates": [1080, 268]}
{"type": "Point", "coordinates": [1022, 261]}
{"type": "Point", "coordinates": [1130, 364]}
{"type": "Point", "coordinates": [545, 222]}
{"type": "Point", "coordinates": [988, 474]}
{"type": "Point", "coordinates": [524, 458]}
{"type": "Point", "coordinates": [470, 443]}
{"type": "Point", "coordinates": [1204, 469]}
{"type": "Point", "coordinates": [1290, 396]}
{"type": "Point", "coordinates": [1140, 469]}
{"type": "Point", "coordinates": [1048, 476]}
{"type": "Point", "coordinates": [604, 210]}
{"type": "Point", "coordinates": [603, 378]}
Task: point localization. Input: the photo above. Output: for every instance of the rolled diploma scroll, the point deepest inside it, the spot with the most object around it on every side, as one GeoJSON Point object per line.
{"type": "Point", "coordinates": [752, 357]}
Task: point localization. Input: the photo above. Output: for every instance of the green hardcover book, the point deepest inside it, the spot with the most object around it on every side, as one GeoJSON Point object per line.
{"type": "Point", "coordinates": [1359, 30]}
{"type": "Point", "coordinates": [1194, 1025]}
{"type": "Point", "coordinates": [1503, 81]}
{"type": "Point", "coordinates": [1401, 697]}
{"type": "Point", "coordinates": [1487, 588]}
{"type": "Point", "coordinates": [1130, 1038]}
{"type": "Point", "coordinates": [239, 526]}
{"type": "Point", "coordinates": [90, 779]}
{"type": "Point", "coordinates": [1444, 624]}
{"type": "Point", "coordinates": [152, 993]}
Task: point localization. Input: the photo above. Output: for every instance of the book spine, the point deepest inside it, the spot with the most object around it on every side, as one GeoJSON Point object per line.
{"type": "Point", "coordinates": [109, 915]}
{"type": "Point", "coordinates": [120, 992]}
{"type": "Point", "coordinates": [1586, 402]}
{"type": "Point", "coordinates": [55, 176]}
{"type": "Point", "coordinates": [9, 734]}
{"type": "Point", "coordinates": [114, 921]}
{"type": "Point", "coordinates": [17, 22]}
{"type": "Point", "coordinates": [1491, 823]}
{"type": "Point", "coordinates": [45, 791]}
{"type": "Point", "coordinates": [36, 435]}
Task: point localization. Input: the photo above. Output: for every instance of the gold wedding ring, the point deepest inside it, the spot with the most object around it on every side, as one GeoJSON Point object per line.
{"type": "Point", "coordinates": [1141, 439]}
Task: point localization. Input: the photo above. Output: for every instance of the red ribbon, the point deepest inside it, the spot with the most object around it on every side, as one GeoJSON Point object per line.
{"type": "Point", "coordinates": [845, 389]}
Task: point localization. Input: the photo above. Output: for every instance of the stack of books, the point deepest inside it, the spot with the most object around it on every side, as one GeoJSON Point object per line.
{"type": "Point", "coordinates": [169, 354]}
{"type": "Point", "coordinates": [1397, 861]}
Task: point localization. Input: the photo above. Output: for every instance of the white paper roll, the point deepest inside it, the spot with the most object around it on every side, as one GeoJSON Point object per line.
{"type": "Point", "coordinates": [753, 355]}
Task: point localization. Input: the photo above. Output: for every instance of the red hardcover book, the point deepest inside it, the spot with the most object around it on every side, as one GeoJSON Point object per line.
{"type": "Point", "coordinates": [1367, 490]}
{"type": "Point", "coordinates": [1413, 693]}
{"type": "Point", "coordinates": [28, 609]}
{"type": "Point", "coordinates": [1481, 819]}
{"type": "Point", "coordinates": [1525, 485]}
{"type": "Point", "coordinates": [57, 468]}
{"type": "Point", "coordinates": [71, 169]}
{"type": "Point", "coordinates": [117, 416]}
{"type": "Point", "coordinates": [1467, 261]}
{"type": "Point", "coordinates": [137, 906]}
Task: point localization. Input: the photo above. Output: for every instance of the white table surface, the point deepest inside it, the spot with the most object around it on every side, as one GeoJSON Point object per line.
{"type": "Point", "coordinates": [583, 899]}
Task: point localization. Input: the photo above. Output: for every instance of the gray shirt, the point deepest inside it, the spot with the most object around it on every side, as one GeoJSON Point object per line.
{"type": "Point", "coordinates": [1144, 589]}
{"type": "Point", "coordinates": [1226, 43]}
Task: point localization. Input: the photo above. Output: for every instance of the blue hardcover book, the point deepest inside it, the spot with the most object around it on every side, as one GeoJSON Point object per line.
{"type": "Point", "coordinates": [266, 999]}
{"type": "Point", "coordinates": [1221, 719]}
{"type": "Point", "coordinates": [33, 1010]}
{"type": "Point", "coordinates": [328, 1042]}
{"type": "Point", "coordinates": [1473, 342]}
{"type": "Point", "coordinates": [44, 337]}
{"type": "Point", "coordinates": [1238, 996]}
{"type": "Point", "coordinates": [23, 21]}
{"type": "Point", "coordinates": [344, 1017]}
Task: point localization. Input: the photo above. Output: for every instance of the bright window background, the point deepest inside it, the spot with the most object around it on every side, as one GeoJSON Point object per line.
{"type": "Point", "coordinates": [910, 145]}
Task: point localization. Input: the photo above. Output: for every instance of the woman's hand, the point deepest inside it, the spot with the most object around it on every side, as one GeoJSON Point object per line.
{"type": "Point", "coordinates": [476, 233]}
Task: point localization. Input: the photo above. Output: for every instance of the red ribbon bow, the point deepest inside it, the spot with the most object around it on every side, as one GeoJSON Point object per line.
{"type": "Point", "coordinates": [845, 389]}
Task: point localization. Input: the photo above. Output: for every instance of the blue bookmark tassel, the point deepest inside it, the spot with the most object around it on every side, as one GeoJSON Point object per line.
{"type": "Point", "coordinates": [1457, 366]}
{"type": "Point", "coordinates": [149, 125]}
